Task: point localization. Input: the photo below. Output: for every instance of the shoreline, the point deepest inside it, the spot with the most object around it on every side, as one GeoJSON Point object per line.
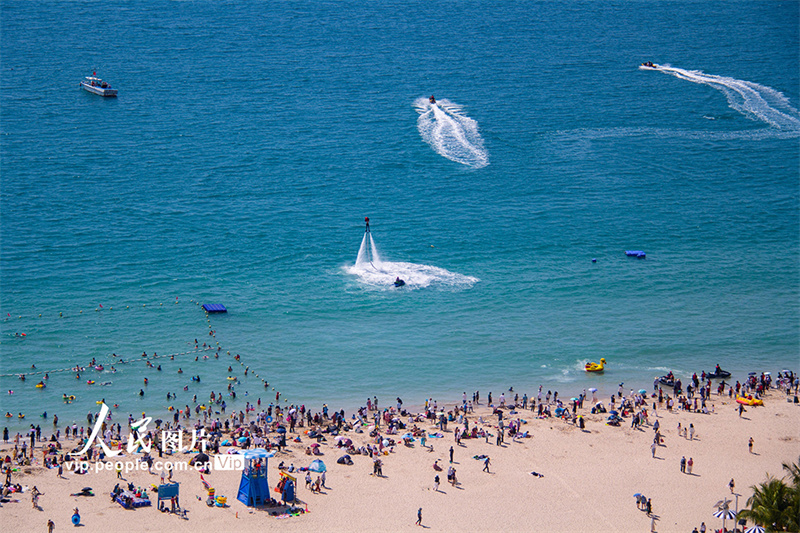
{"type": "Point", "coordinates": [589, 477]}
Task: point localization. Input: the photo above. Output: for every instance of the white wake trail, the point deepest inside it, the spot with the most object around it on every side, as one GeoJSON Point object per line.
{"type": "Point", "coordinates": [373, 271]}
{"type": "Point", "coordinates": [754, 101]}
{"type": "Point", "coordinates": [451, 133]}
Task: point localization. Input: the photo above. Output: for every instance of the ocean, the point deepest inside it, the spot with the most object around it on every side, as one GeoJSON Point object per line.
{"type": "Point", "coordinates": [250, 139]}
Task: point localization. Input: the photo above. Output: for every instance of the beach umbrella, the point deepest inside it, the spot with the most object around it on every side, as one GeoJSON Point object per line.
{"type": "Point", "coordinates": [317, 466]}
{"type": "Point", "coordinates": [755, 529]}
{"type": "Point", "coordinates": [201, 458]}
{"type": "Point", "coordinates": [613, 412]}
{"type": "Point", "coordinates": [593, 390]}
{"type": "Point", "coordinates": [241, 439]}
{"type": "Point", "coordinates": [725, 514]}
{"type": "Point", "coordinates": [315, 445]}
{"type": "Point", "coordinates": [281, 429]}
{"type": "Point", "coordinates": [642, 391]}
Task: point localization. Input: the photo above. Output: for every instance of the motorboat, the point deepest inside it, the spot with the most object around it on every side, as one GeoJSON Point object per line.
{"type": "Point", "coordinates": [649, 64]}
{"type": "Point", "coordinates": [95, 85]}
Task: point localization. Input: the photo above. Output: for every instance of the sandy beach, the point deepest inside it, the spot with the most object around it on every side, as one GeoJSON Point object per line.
{"type": "Point", "coordinates": [588, 479]}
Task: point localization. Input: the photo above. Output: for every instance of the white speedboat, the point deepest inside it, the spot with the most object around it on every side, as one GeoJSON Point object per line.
{"type": "Point", "coordinates": [95, 85]}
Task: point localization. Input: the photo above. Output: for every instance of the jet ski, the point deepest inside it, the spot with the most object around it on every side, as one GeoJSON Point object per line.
{"type": "Point", "coordinates": [648, 64]}
{"type": "Point", "coordinates": [399, 282]}
{"type": "Point", "coordinates": [432, 99]}
{"type": "Point", "coordinates": [718, 373]}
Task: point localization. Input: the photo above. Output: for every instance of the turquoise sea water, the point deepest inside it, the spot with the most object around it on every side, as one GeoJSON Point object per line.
{"type": "Point", "coordinates": [250, 139]}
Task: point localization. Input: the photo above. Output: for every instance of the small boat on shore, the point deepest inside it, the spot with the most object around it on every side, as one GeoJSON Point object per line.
{"type": "Point", "coordinates": [95, 85]}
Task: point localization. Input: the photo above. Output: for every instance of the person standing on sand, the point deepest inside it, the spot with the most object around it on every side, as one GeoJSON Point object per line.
{"type": "Point", "coordinates": [732, 485]}
{"type": "Point", "coordinates": [50, 526]}
{"type": "Point", "coordinates": [703, 527]}
{"type": "Point", "coordinates": [683, 464]}
{"type": "Point", "coordinates": [436, 483]}
{"type": "Point", "coordinates": [689, 465]}
{"type": "Point", "coordinates": [750, 445]}
{"type": "Point", "coordinates": [653, 448]}
{"type": "Point", "coordinates": [451, 454]}
{"type": "Point", "coordinates": [649, 507]}
{"type": "Point", "coordinates": [419, 517]}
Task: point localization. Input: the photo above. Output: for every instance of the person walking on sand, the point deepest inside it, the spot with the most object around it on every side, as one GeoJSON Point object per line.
{"type": "Point", "coordinates": [653, 448]}
{"type": "Point", "coordinates": [50, 526]}
{"type": "Point", "coordinates": [451, 454]}
{"type": "Point", "coordinates": [731, 485]}
{"type": "Point", "coordinates": [419, 517]}
{"type": "Point", "coordinates": [683, 464]}
{"type": "Point", "coordinates": [436, 483]}
{"type": "Point", "coordinates": [649, 507]}
{"type": "Point", "coordinates": [750, 445]}
{"type": "Point", "coordinates": [689, 465]}
{"type": "Point", "coordinates": [691, 431]}
{"type": "Point", "coordinates": [35, 497]}
{"type": "Point", "coordinates": [486, 464]}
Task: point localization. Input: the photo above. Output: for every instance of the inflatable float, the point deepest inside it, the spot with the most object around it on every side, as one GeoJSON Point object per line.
{"type": "Point", "coordinates": [40, 385]}
{"type": "Point", "coordinates": [596, 367]}
{"type": "Point", "coordinates": [749, 400]}
{"type": "Point", "coordinates": [90, 382]}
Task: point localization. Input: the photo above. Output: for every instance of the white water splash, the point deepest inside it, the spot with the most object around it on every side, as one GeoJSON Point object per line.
{"type": "Point", "coordinates": [754, 101]}
{"type": "Point", "coordinates": [373, 271]}
{"type": "Point", "coordinates": [451, 133]}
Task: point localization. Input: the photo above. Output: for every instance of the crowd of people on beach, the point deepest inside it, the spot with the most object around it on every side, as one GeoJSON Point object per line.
{"type": "Point", "coordinates": [382, 431]}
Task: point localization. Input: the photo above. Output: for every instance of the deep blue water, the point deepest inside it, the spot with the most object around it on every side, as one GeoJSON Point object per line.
{"type": "Point", "coordinates": [250, 139]}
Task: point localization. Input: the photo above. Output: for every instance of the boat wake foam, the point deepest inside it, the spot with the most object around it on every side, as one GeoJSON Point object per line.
{"type": "Point", "coordinates": [371, 270]}
{"type": "Point", "coordinates": [451, 133]}
{"type": "Point", "coordinates": [754, 101]}
{"type": "Point", "coordinates": [593, 134]}
{"type": "Point", "coordinates": [416, 276]}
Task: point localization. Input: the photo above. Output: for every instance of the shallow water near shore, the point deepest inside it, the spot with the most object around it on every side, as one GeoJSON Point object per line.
{"type": "Point", "coordinates": [249, 141]}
